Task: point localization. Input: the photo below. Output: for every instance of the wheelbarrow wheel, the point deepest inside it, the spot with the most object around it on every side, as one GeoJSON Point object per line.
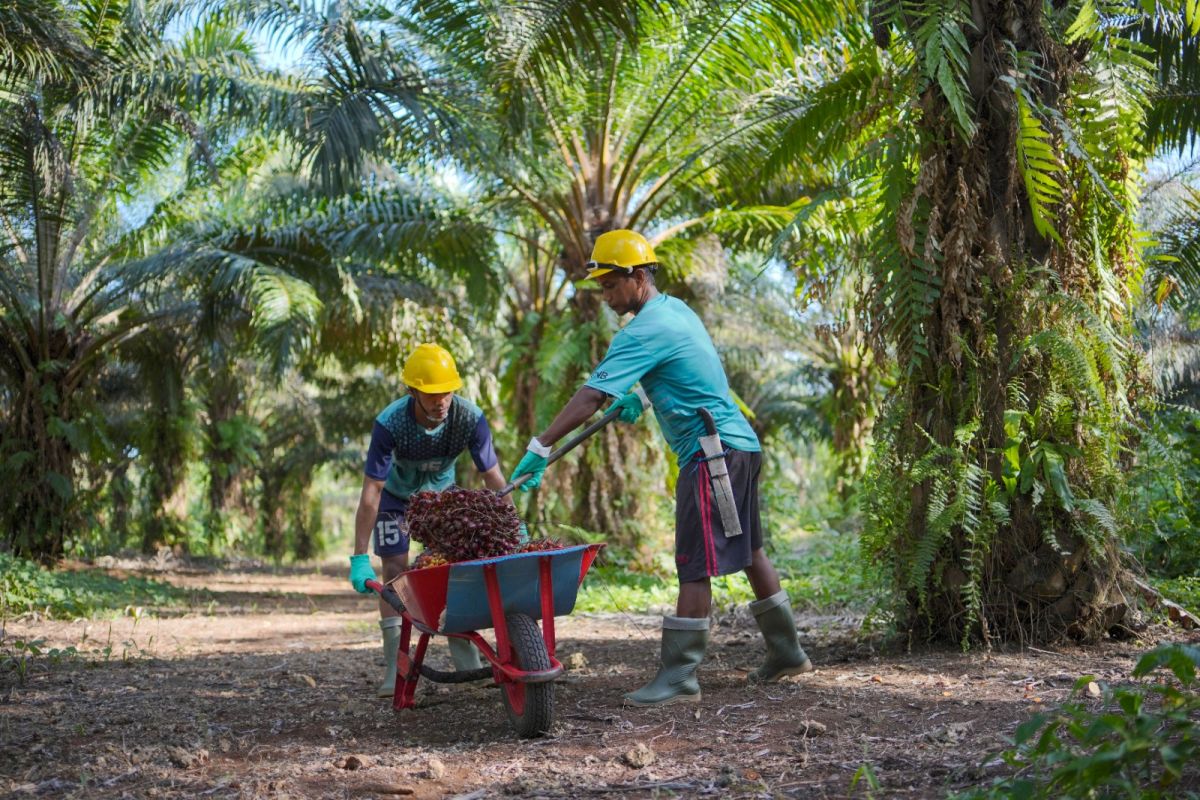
{"type": "Point", "coordinates": [530, 706]}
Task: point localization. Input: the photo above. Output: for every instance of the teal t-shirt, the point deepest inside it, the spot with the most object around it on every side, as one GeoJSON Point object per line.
{"type": "Point", "coordinates": [667, 349]}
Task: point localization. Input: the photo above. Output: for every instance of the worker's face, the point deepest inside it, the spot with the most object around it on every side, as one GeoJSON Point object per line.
{"type": "Point", "coordinates": [434, 407]}
{"type": "Point", "coordinates": [622, 293]}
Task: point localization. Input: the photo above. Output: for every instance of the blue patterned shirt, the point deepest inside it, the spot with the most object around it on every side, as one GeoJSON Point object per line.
{"type": "Point", "coordinates": [411, 458]}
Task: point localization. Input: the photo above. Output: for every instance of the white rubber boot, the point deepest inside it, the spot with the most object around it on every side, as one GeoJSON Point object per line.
{"type": "Point", "coordinates": [391, 644]}
{"type": "Point", "coordinates": [464, 654]}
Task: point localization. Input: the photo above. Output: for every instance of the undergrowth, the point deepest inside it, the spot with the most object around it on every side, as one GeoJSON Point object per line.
{"type": "Point", "coordinates": [26, 587]}
{"type": "Point", "coordinates": [1140, 740]}
{"type": "Point", "coordinates": [823, 575]}
{"type": "Point", "coordinates": [1184, 591]}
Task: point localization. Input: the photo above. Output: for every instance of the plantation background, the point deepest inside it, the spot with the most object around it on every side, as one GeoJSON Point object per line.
{"type": "Point", "coordinates": [949, 253]}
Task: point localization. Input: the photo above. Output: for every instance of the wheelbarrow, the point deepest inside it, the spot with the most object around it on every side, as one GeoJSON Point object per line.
{"type": "Point", "coordinates": [508, 594]}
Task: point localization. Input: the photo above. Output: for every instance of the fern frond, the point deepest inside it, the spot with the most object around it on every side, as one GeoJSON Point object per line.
{"type": "Point", "coordinates": [1086, 24]}
{"type": "Point", "coordinates": [1073, 361]}
{"type": "Point", "coordinates": [1098, 513]}
{"type": "Point", "coordinates": [945, 56]}
{"type": "Point", "coordinates": [1039, 167]}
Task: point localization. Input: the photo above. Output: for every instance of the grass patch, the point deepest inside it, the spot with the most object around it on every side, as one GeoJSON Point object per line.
{"type": "Point", "coordinates": [616, 588]}
{"type": "Point", "coordinates": [1184, 591]}
{"type": "Point", "coordinates": [822, 575]}
{"type": "Point", "coordinates": [26, 587]}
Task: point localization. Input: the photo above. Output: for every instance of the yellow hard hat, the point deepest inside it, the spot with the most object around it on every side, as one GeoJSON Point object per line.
{"type": "Point", "coordinates": [431, 369]}
{"type": "Point", "coordinates": [620, 250]}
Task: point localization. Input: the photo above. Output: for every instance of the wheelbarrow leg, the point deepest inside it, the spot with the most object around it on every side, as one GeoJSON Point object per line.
{"type": "Point", "coordinates": [408, 673]}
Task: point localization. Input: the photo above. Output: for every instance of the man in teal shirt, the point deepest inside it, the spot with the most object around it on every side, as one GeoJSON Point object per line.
{"type": "Point", "coordinates": [666, 348]}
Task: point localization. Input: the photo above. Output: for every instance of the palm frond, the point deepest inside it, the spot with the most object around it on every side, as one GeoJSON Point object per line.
{"type": "Point", "coordinates": [1174, 42]}
{"type": "Point", "coordinates": [833, 118]}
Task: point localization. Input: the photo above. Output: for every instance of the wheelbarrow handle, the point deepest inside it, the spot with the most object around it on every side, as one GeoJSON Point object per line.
{"type": "Point", "coordinates": [388, 594]}
{"type": "Point", "coordinates": [571, 444]}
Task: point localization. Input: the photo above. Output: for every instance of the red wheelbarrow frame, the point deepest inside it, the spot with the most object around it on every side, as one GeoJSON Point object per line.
{"type": "Point", "coordinates": [505, 672]}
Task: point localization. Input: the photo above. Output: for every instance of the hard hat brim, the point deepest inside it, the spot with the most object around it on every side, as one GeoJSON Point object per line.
{"type": "Point", "coordinates": [438, 388]}
{"type": "Point", "coordinates": [596, 269]}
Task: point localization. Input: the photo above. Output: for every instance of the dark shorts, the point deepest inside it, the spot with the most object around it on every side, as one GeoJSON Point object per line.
{"type": "Point", "coordinates": [701, 548]}
{"type": "Point", "coordinates": [391, 531]}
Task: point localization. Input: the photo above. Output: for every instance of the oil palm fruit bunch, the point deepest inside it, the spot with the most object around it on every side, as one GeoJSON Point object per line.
{"type": "Point", "coordinates": [538, 545]}
{"type": "Point", "coordinates": [429, 558]}
{"type": "Point", "coordinates": [464, 524]}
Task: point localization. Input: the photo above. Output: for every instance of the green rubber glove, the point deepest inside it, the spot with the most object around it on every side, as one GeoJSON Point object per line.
{"type": "Point", "coordinates": [631, 408]}
{"type": "Point", "coordinates": [361, 572]}
{"type": "Point", "coordinates": [533, 465]}
{"type": "Point", "coordinates": [523, 534]}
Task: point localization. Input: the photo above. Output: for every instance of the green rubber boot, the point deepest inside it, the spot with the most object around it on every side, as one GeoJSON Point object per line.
{"type": "Point", "coordinates": [391, 644]}
{"type": "Point", "coordinates": [464, 655]}
{"type": "Point", "coordinates": [684, 641]}
{"type": "Point", "coordinates": [784, 654]}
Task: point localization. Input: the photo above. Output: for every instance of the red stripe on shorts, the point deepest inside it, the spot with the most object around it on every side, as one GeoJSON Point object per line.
{"type": "Point", "coordinates": [710, 550]}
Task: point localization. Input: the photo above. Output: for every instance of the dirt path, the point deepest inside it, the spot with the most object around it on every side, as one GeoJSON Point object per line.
{"type": "Point", "coordinates": [266, 692]}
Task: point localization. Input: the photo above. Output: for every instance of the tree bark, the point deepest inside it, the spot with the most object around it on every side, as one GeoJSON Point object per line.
{"type": "Point", "coordinates": [1039, 579]}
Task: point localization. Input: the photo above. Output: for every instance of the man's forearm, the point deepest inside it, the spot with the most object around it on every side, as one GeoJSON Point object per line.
{"type": "Point", "coordinates": [364, 524]}
{"type": "Point", "coordinates": [494, 480]}
{"type": "Point", "coordinates": [582, 405]}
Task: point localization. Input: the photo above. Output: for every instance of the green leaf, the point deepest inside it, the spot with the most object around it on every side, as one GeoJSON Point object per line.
{"type": "Point", "coordinates": [1165, 286]}
{"type": "Point", "coordinates": [60, 484]}
{"type": "Point", "coordinates": [1027, 729]}
{"type": "Point", "coordinates": [1039, 167]}
{"type": "Point", "coordinates": [18, 460]}
{"type": "Point", "coordinates": [70, 431]}
{"type": "Point", "coordinates": [1056, 476]}
{"type": "Point", "coordinates": [1181, 659]}
{"type": "Point", "coordinates": [1086, 25]}
{"type": "Point", "coordinates": [1028, 472]}
{"type": "Point", "coordinates": [1012, 422]}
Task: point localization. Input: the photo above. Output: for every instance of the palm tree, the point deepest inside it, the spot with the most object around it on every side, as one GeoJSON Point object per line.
{"type": "Point", "coordinates": [570, 120]}
{"type": "Point", "coordinates": [1005, 260]}
{"type": "Point", "coordinates": [97, 109]}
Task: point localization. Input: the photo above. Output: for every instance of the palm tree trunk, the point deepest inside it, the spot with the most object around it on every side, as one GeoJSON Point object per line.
{"type": "Point", "coordinates": [222, 404]}
{"type": "Point", "coordinates": [38, 498]}
{"type": "Point", "coordinates": [1036, 578]}
{"type": "Point", "coordinates": [273, 515]}
{"type": "Point", "coordinates": [165, 446]}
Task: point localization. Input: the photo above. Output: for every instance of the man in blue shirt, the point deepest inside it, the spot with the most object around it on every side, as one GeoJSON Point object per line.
{"type": "Point", "coordinates": [414, 444]}
{"type": "Point", "coordinates": [666, 348]}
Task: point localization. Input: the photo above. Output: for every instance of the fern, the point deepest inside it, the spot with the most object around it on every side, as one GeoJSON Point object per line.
{"type": "Point", "coordinates": [1072, 360]}
{"type": "Point", "coordinates": [1086, 24]}
{"type": "Point", "coordinates": [945, 55]}
{"type": "Point", "coordinates": [1039, 167]}
{"type": "Point", "coordinates": [910, 288]}
{"type": "Point", "coordinates": [1102, 527]}
{"type": "Point", "coordinates": [992, 514]}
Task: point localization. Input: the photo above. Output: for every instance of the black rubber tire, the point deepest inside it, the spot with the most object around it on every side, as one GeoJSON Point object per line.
{"type": "Point", "coordinates": [530, 706]}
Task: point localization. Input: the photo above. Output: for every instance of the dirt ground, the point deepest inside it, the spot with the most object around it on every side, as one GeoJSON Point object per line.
{"type": "Point", "coordinates": [266, 690]}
